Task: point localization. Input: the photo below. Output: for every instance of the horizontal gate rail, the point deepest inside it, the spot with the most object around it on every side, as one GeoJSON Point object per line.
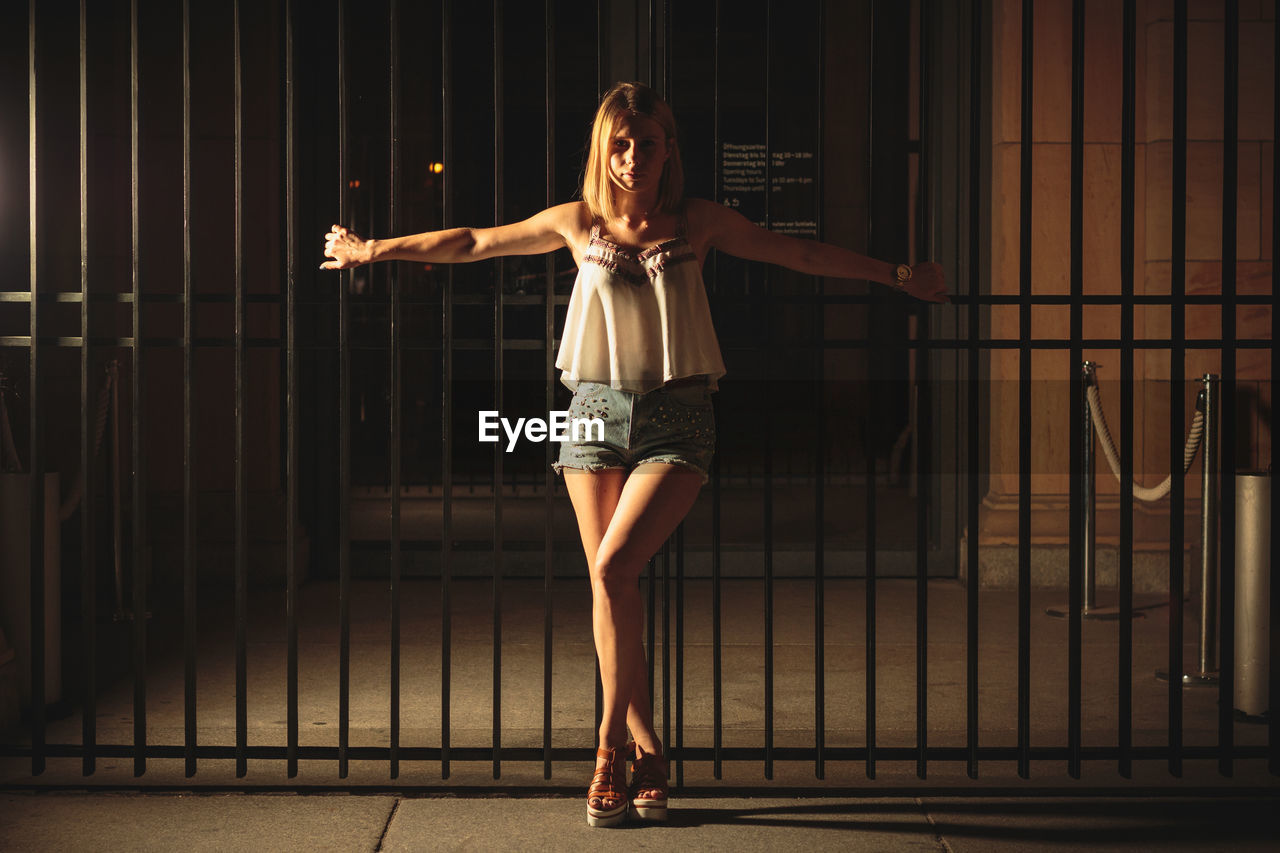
{"type": "Point", "coordinates": [704, 754]}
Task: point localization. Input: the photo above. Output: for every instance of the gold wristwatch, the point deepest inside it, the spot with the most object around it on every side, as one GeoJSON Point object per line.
{"type": "Point", "coordinates": [902, 275]}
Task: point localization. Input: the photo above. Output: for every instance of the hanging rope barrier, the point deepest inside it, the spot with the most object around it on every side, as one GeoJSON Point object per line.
{"type": "Point", "coordinates": [1142, 493]}
{"type": "Point", "coordinates": [1202, 433]}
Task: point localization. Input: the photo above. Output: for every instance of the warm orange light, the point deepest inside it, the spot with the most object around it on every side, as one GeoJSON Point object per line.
{"type": "Point", "coordinates": [437, 168]}
{"type": "Point", "coordinates": [353, 184]}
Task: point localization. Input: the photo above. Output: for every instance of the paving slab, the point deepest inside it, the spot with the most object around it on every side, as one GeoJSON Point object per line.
{"type": "Point", "coordinates": [190, 822]}
{"type": "Point", "coordinates": [774, 823]}
{"type": "Point", "coordinates": [1105, 825]}
{"type": "Point", "coordinates": [49, 821]}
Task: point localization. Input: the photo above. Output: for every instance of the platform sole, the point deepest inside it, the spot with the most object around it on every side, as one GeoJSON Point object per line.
{"type": "Point", "coordinates": [612, 817]}
{"type": "Point", "coordinates": [655, 812]}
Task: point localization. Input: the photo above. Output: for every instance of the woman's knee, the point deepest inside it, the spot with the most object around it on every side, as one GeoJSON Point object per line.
{"type": "Point", "coordinates": [613, 575]}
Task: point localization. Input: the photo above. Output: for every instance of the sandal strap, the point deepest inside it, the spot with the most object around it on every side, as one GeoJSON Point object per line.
{"type": "Point", "coordinates": [610, 781]}
{"type": "Point", "coordinates": [649, 772]}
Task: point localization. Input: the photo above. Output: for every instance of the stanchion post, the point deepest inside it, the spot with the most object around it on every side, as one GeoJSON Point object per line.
{"type": "Point", "coordinates": [1090, 492]}
{"type": "Point", "coordinates": [1089, 579]}
{"type": "Point", "coordinates": [1206, 672]}
{"type": "Point", "coordinates": [1209, 512]}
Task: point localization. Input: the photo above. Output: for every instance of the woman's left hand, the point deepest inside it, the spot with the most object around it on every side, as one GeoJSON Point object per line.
{"type": "Point", "coordinates": [928, 282]}
{"type": "Point", "coordinates": [347, 248]}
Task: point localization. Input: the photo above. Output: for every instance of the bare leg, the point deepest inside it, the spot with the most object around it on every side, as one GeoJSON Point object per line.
{"type": "Point", "coordinates": [652, 502]}
{"type": "Point", "coordinates": [640, 710]}
{"type": "Point", "coordinates": [595, 497]}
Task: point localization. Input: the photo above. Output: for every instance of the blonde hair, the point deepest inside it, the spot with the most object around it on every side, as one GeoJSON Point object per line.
{"type": "Point", "coordinates": [620, 102]}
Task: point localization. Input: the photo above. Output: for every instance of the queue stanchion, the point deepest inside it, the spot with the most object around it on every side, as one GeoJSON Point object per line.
{"type": "Point", "coordinates": [1095, 435]}
{"type": "Point", "coordinates": [1089, 508]}
{"type": "Point", "coordinates": [1206, 672]}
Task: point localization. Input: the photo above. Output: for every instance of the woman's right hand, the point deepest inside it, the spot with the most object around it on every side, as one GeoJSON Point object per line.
{"type": "Point", "coordinates": [347, 248]}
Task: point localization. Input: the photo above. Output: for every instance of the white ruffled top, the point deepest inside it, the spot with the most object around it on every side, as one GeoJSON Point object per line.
{"type": "Point", "coordinates": [638, 320]}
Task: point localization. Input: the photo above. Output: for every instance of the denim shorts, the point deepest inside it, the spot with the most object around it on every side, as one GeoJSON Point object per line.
{"type": "Point", "coordinates": [673, 424]}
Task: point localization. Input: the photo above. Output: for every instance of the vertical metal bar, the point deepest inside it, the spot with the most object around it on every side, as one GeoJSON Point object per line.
{"type": "Point", "coordinates": [344, 425]}
{"type": "Point", "coordinates": [1024, 404]}
{"type": "Point", "coordinates": [36, 461]}
{"type": "Point", "coordinates": [602, 51]}
{"type": "Point", "coordinates": [1227, 508]}
{"type": "Point", "coordinates": [651, 586]}
{"type": "Point", "coordinates": [1089, 501]}
{"type": "Point", "coordinates": [1177, 354]}
{"type": "Point", "coordinates": [666, 50]}
{"type": "Point", "coordinates": [717, 697]}
{"type": "Point", "coordinates": [636, 26]}
{"type": "Point", "coordinates": [549, 356]}
{"type": "Point", "coordinates": [922, 437]}
{"type": "Point", "coordinates": [1210, 503]}
{"type": "Point", "coordinates": [768, 420]}
{"type": "Point", "coordinates": [1128, 110]}
{"type": "Point", "coordinates": [88, 586]}
{"type": "Point", "coordinates": [870, 558]}
{"type": "Point", "coordinates": [393, 284]}
{"type": "Point", "coordinates": [717, 655]}
{"type": "Point", "coordinates": [500, 277]}
{"type": "Point", "coordinates": [446, 403]}
{"type": "Point", "coordinates": [974, 449]}
{"type": "Point", "coordinates": [599, 717]}
{"type": "Point", "coordinates": [1089, 498]}
{"type": "Point", "coordinates": [653, 48]}
{"type": "Point", "coordinates": [117, 510]}
{"type": "Point", "coordinates": [291, 401]}
{"type": "Point", "coordinates": [1273, 680]}
{"type": "Point", "coordinates": [666, 546]}
{"type": "Point", "coordinates": [666, 644]}
{"type": "Point", "coordinates": [139, 468]}
{"type": "Point", "coordinates": [1077, 415]}
{"type": "Point", "coordinates": [870, 466]}
{"type": "Point", "coordinates": [922, 563]}
{"type": "Point", "coordinates": [679, 532]}
{"type": "Point", "coordinates": [189, 592]}
{"type": "Point", "coordinates": [820, 440]}
{"type": "Point", "coordinates": [241, 521]}
{"type": "Point", "coordinates": [113, 369]}
{"type": "Point", "coordinates": [679, 754]}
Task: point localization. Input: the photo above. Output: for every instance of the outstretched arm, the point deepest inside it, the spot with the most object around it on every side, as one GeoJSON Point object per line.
{"type": "Point", "coordinates": [545, 232]}
{"type": "Point", "coordinates": [731, 232]}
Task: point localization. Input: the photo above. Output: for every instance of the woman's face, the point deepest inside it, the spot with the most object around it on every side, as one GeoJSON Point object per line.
{"type": "Point", "coordinates": [637, 152]}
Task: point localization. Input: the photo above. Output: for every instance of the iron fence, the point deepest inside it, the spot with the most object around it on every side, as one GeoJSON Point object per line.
{"type": "Point", "coordinates": [389, 322]}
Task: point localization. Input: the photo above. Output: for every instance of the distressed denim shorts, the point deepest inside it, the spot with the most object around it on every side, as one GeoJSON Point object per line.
{"type": "Point", "coordinates": [673, 424]}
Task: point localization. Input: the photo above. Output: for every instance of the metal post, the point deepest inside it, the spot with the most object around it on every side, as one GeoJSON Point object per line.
{"type": "Point", "coordinates": [1253, 596]}
{"type": "Point", "coordinates": [1089, 488]}
{"type": "Point", "coordinates": [1206, 673]}
{"type": "Point", "coordinates": [1208, 660]}
{"type": "Point", "coordinates": [1177, 378]}
{"type": "Point", "coordinates": [1089, 509]}
{"type": "Point", "coordinates": [1025, 210]}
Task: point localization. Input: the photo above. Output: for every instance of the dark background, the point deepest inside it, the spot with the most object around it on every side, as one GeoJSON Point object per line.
{"type": "Point", "coordinates": [733, 74]}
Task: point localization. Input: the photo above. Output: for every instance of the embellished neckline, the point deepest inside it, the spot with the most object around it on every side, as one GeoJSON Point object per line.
{"type": "Point", "coordinates": [638, 255]}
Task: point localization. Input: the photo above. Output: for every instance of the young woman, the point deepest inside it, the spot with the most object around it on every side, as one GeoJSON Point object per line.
{"type": "Point", "coordinates": [640, 354]}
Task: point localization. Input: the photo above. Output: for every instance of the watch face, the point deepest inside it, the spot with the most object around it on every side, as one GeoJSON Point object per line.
{"type": "Point", "coordinates": [903, 272]}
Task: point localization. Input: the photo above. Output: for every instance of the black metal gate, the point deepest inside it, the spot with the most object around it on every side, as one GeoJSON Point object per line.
{"type": "Point", "coordinates": [310, 404]}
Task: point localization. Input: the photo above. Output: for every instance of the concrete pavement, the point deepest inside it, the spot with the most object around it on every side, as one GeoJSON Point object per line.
{"type": "Point", "coordinates": [216, 810]}
{"type": "Point", "coordinates": [59, 821]}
